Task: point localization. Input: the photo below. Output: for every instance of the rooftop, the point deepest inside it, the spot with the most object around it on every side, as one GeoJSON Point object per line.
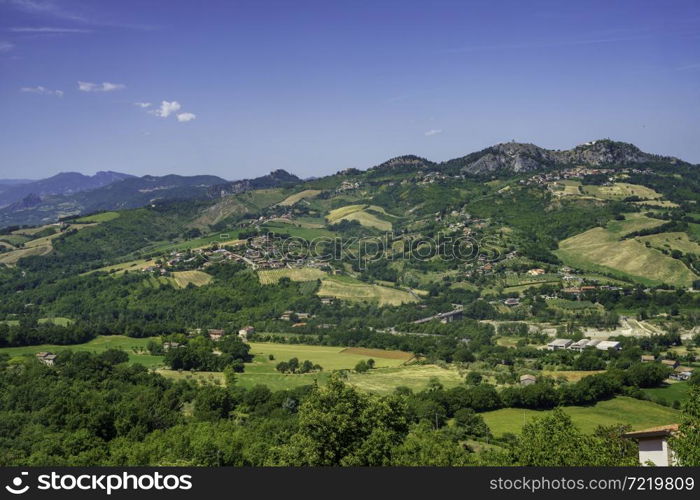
{"type": "Point", "coordinates": [659, 431]}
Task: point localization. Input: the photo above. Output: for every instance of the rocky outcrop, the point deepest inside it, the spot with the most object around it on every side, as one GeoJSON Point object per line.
{"type": "Point", "coordinates": [518, 157]}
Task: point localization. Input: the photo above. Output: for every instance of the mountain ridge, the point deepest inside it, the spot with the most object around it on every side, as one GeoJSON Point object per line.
{"type": "Point", "coordinates": [63, 183]}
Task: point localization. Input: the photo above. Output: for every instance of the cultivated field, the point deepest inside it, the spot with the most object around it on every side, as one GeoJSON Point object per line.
{"type": "Point", "coordinates": [196, 278]}
{"type": "Point", "coordinates": [632, 223]}
{"type": "Point", "coordinates": [296, 197]}
{"type": "Point", "coordinates": [272, 276]}
{"type": "Point", "coordinates": [362, 214]}
{"type": "Point", "coordinates": [415, 377]}
{"type": "Point", "coordinates": [620, 410]}
{"type": "Point", "coordinates": [32, 247]}
{"type": "Point", "coordinates": [262, 369]}
{"type": "Point", "coordinates": [353, 290]}
{"type": "Point", "coordinates": [329, 357]}
{"type": "Point", "coordinates": [132, 265]}
{"type": "Point", "coordinates": [11, 258]}
{"type": "Point", "coordinates": [672, 241]}
{"type": "Point", "coordinates": [601, 249]}
{"type": "Point", "coordinates": [621, 190]}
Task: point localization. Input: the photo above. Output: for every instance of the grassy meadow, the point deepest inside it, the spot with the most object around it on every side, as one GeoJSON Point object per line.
{"type": "Point", "coordinates": [637, 413]}
{"type": "Point", "coordinates": [136, 348]}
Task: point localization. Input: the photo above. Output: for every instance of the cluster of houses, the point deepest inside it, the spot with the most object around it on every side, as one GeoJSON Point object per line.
{"type": "Point", "coordinates": [347, 186]}
{"type": "Point", "coordinates": [259, 252]}
{"type": "Point", "coordinates": [580, 345]}
{"type": "Point", "coordinates": [216, 334]}
{"type": "Point", "coordinates": [545, 179]}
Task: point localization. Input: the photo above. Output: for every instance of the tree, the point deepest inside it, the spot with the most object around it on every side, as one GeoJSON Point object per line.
{"type": "Point", "coordinates": [427, 447]}
{"type": "Point", "coordinates": [471, 422]}
{"type": "Point", "coordinates": [212, 403]}
{"type": "Point", "coordinates": [362, 367]}
{"type": "Point", "coordinates": [474, 378]}
{"type": "Point", "coordinates": [554, 441]}
{"type": "Point", "coordinates": [686, 443]}
{"type": "Point", "coordinates": [114, 356]}
{"type": "Point", "coordinates": [341, 426]}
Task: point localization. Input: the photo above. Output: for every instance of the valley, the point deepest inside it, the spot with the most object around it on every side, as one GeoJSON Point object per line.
{"type": "Point", "coordinates": [511, 283]}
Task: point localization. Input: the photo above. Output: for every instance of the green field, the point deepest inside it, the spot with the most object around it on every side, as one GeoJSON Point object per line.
{"type": "Point", "coordinates": [637, 413]}
{"type": "Point", "coordinates": [602, 250]}
{"type": "Point", "coordinates": [306, 233]}
{"type": "Point", "coordinates": [272, 276]}
{"type": "Point", "coordinates": [262, 369]}
{"type": "Point", "coordinates": [677, 391]}
{"type": "Point", "coordinates": [98, 218]}
{"type": "Point", "coordinates": [136, 348]}
{"type": "Point", "coordinates": [345, 288]}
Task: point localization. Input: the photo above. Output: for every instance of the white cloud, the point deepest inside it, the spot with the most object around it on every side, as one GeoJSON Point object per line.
{"type": "Point", "coordinates": [42, 90]}
{"type": "Point", "coordinates": [143, 104]}
{"type": "Point", "coordinates": [100, 87]}
{"type": "Point", "coordinates": [167, 108]}
{"type": "Point", "coordinates": [434, 131]}
{"type": "Point", "coordinates": [6, 46]}
{"type": "Point", "coordinates": [48, 29]}
{"type": "Point", "coordinates": [186, 117]}
{"type": "Point", "coordinates": [45, 8]}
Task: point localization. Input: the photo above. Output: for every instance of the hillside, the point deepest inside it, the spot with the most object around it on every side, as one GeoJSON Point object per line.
{"type": "Point", "coordinates": [442, 286]}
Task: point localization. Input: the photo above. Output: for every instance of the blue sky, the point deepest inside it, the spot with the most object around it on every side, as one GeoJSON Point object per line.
{"type": "Point", "coordinates": [314, 87]}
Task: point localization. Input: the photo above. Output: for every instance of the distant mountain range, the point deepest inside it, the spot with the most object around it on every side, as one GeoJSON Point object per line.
{"type": "Point", "coordinates": [47, 200]}
{"type": "Point", "coordinates": [65, 183]}
{"type": "Point", "coordinates": [37, 202]}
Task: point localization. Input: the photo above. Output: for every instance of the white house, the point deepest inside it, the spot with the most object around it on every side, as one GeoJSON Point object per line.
{"type": "Point", "coordinates": [608, 344]}
{"type": "Point", "coordinates": [557, 344]}
{"type": "Point", "coordinates": [653, 445]}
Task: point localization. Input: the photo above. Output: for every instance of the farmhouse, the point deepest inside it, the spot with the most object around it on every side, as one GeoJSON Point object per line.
{"type": "Point", "coordinates": [671, 363]}
{"type": "Point", "coordinates": [558, 344]}
{"type": "Point", "coordinates": [653, 445]}
{"type": "Point", "coordinates": [527, 379]}
{"type": "Point", "coordinates": [535, 272]}
{"type": "Point", "coordinates": [648, 358]}
{"type": "Point", "coordinates": [46, 357]}
{"type": "Point", "coordinates": [512, 302]}
{"type": "Point", "coordinates": [579, 345]}
{"type": "Point", "coordinates": [683, 373]}
{"type": "Point", "coordinates": [215, 334]}
{"type": "Point", "coordinates": [245, 331]}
